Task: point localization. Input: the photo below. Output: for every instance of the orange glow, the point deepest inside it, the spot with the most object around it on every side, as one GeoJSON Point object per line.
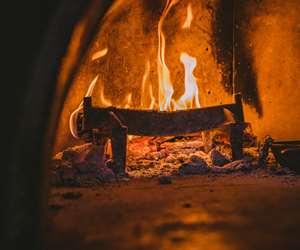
{"type": "Point", "coordinates": [189, 17]}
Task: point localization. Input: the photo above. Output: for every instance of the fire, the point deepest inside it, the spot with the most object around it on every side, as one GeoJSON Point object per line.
{"type": "Point", "coordinates": [74, 115]}
{"type": "Point", "coordinates": [163, 99]}
{"type": "Point", "coordinates": [152, 98]}
{"type": "Point", "coordinates": [190, 98]}
{"type": "Point", "coordinates": [189, 17]}
{"type": "Point", "coordinates": [128, 101]}
{"type": "Point", "coordinates": [99, 54]}
{"type": "Point", "coordinates": [104, 102]}
{"type": "Point", "coordinates": [165, 86]}
{"type": "Point", "coordinates": [143, 89]}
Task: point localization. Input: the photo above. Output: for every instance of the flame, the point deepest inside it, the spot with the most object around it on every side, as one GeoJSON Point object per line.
{"type": "Point", "coordinates": [103, 101]}
{"type": "Point", "coordinates": [190, 98]}
{"type": "Point", "coordinates": [143, 89]}
{"type": "Point", "coordinates": [128, 101]}
{"type": "Point", "coordinates": [74, 115]}
{"type": "Point", "coordinates": [165, 86]}
{"type": "Point", "coordinates": [189, 17]}
{"type": "Point", "coordinates": [164, 100]}
{"type": "Point", "coordinates": [99, 54]}
{"type": "Point", "coordinates": [152, 98]}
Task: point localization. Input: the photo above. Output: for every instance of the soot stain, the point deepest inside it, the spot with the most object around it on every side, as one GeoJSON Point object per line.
{"type": "Point", "coordinates": [222, 38]}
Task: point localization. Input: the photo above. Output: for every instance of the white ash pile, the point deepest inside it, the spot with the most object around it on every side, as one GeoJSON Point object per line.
{"type": "Point", "coordinates": [156, 156]}
{"type": "Point", "coordinates": [149, 157]}
{"type": "Point", "coordinates": [80, 166]}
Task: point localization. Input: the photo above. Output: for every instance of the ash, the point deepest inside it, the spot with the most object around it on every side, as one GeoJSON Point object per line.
{"type": "Point", "coordinates": [150, 157]}
{"type": "Point", "coordinates": [181, 155]}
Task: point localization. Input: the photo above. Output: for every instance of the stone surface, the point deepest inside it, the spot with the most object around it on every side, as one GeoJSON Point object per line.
{"type": "Point", "coordinates": [72, 195]}
{"type": "Point", "coordinates": [221, 170]}
{"type": "Point", "coordinates": [164, 180]}
{"type": "Point", "coordinates": [232, 212]}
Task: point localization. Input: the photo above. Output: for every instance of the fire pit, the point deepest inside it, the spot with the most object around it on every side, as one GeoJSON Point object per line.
{"type": "Point", "coordinates": [175, 81]}
{"type": "Point", "coordinates": [98, 124]}
{"type": "Point", "coordinates": [171, 72]}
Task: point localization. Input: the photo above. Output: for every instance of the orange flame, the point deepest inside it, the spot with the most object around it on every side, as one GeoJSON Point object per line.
{"type": "Point", "coordinates": [74, 115]}
{"type": "Point", "coordinates": [190, 98]}
{"type": "Point", "coordinates": [164, 101]}
{"type": "Point", "coordinates": [143, 89]}
{"type": "Point", "coordinates": [128, 101]}
{"type": "Point", "coordinates": [99, 54]}
{"type": "Point", "coordinates": [152, 98]}
{"type": "Point", "coordinates": [165, 86]}
{"type": "Point", "coordinates": [103, 101]}
{"type": "Point", "coordinates": [189, 17]}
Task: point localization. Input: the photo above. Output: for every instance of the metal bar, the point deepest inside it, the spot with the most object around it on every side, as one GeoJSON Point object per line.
{"type": "Point", "coordinates": [116, 123]}
{"type": "Point", "coordinates": [154, 123]}
{"type": "Point", "coordinates": [286, 142]}
{"type": "Point", "coordinates": [160, 123]}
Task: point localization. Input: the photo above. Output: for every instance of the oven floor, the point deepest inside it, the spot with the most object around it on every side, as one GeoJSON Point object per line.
{"type": "Point", "coordinates": [236, 212]}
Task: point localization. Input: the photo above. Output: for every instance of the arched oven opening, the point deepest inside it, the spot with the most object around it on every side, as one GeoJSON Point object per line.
{"type": "Point", "coordinates": [130, 95]}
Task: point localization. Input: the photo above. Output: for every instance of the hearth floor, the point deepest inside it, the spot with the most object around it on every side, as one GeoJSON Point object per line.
{"type": "Point", "coordinates": [226, 212]}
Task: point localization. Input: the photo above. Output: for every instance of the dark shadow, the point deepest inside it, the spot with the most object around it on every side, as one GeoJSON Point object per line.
{"type": "Point", "coordinates": [223, 40]}
{"type": "Point", "coordinates": [232, 16]}
{"type": "Point", "coordinates": [246, 75]}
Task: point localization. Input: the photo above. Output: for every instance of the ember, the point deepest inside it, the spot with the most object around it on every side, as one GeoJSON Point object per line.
{"type": "Point", "coordinates": [159, 157]}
